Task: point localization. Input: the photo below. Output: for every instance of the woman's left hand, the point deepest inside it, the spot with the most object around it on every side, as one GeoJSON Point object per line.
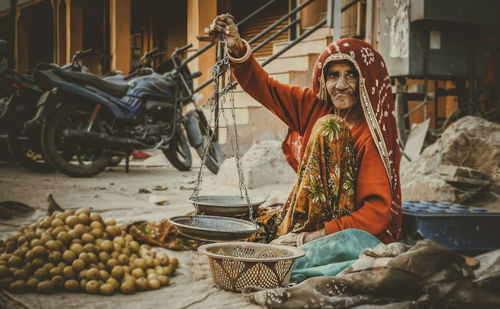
{"type": "Point", "coordinates": [289, 239]}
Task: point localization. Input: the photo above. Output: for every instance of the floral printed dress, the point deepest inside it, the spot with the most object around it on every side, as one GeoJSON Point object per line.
{"type": "Point", "coordinates": [325, 188]}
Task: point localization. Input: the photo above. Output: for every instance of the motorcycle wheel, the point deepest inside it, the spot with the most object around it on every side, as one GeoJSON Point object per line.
{"type": "Point", "coordinates": [26, 149]}
{"type": "Point", "coordinates": [69, 157]}
{"type": "Point", "coordinates": [178, 152]}
{"type": "Point", "coordinates": [215, 157]}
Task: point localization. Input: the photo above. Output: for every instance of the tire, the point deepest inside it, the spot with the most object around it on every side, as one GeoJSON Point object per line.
{"type": "Point", "coordinates": [179, 152]}
{"type": "Point", "coordinates": [26, 149]}
{"type": "Point", "coordinates": [62, 153]}
{"type": "Point", "coordinates": [215, 156]}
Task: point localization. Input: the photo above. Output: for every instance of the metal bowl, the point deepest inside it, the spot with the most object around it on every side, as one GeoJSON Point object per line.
{"type": "Point", "coordinates": [225, 205]}
{"type": "Point", "coordinates": [213, 228]}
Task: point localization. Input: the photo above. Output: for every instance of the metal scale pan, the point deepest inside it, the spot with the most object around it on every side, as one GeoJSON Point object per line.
{"type": "Point", "coordinates": [213, 228]}
{"type": "Point", "coordinates": [225, 205]}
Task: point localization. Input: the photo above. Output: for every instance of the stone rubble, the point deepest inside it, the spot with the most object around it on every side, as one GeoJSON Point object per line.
{"type": "Point", "coordinates": [470, 142]}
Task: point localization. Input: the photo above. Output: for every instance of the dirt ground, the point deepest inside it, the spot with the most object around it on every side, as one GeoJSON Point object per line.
{"type": "Point", "coordinates": [115, 194]}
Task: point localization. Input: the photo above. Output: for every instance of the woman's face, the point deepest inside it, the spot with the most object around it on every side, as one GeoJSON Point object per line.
{"type": "Point", "coordinates": [342, 83]}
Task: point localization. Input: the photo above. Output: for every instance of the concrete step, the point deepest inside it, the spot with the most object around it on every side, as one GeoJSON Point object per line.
{"type": "Point", "coordinates": [292, 63]}
{"type": "Point", "coordinates": [308, 46]}
{"type": "Point", "coordinates": [324, 32]}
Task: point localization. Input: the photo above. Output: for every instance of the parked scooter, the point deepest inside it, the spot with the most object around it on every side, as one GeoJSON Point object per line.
{"type": "Point", "coordinates": [20, 96]}
{"type": "Point", "coordinates": [87, 119]}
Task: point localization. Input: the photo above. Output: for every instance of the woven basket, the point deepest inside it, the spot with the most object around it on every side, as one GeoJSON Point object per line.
{"type": "Point", "coordinates": [236, 265]}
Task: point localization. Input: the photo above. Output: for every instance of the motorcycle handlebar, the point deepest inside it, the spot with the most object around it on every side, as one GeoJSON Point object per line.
{"type": "Point", "coordinates": [182, 49]}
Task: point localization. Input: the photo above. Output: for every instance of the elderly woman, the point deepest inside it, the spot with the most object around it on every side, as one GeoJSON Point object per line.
{"type": "Point", "coordinates": [342, 141]}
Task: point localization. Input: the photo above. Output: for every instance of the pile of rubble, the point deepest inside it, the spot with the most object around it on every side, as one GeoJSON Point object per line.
{"type": "Point", "coordinates": [463, 166]}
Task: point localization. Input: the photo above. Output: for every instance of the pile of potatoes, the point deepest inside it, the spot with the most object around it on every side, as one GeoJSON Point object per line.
{"type": "Point", "coordinates": [80, 252]}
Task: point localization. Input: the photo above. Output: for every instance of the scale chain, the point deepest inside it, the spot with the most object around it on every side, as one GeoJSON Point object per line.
{"type": "Point", "coordinates": [219, 69]}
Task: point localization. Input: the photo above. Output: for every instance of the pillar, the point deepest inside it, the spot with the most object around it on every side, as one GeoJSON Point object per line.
{"type": "Point", "coordinates": [74, 29]}
{"type": "Point", "coordinates": [311, 14]}
{"type": "Point", "coordinates": [200, 15]}
{"type": "Point", "coordinates": [21, 42]}
{"type": "Point", "coordinates": [119, 46]}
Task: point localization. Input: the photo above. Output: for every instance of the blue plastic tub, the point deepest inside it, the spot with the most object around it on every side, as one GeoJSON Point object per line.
{"type": "Point", "coordinates": [458, 227]}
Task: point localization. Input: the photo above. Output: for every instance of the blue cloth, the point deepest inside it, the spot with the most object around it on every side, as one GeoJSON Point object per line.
{"type": "Point", "coordinates": [331, 254]}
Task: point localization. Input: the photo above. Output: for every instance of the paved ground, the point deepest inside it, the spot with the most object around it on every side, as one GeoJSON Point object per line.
{"type": "Point", "coordinates": [115, 194]}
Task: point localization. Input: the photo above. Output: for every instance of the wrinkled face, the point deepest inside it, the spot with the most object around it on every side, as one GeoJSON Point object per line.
{"type": "Point", "coordinates": [342, 83]}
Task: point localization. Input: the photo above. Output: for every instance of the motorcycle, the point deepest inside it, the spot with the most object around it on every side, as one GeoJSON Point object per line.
{"type": "Point", "coordinates": [21, 94]}
{"type": "Point", "coordinates": [87, 119]}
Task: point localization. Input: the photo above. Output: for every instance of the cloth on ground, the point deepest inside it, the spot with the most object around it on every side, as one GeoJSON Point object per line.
{"type": "Point", "coordinates": [331, 254]}
{"type": "Point", "coordinates": [423, 276]}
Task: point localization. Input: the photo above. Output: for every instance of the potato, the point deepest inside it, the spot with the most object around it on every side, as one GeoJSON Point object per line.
{"type": "Point", "coordinates": [175, 262]}
{"type": "Point", "coordinates": [83, 284]}
{"type": "Point", "coordinates": [107, 289]}
{"type": "Point", "coordinates": [104, 256]}
{"type": "Point", "coordinates": [97, 233]}
{"type": "Point", "coordinates": [48, 266]}
{"type": "Point", "coordinates": [133, 246]}
{"type": "Point", "coordinates": [82, 274]}
{"type": "Point", "coordinates": [45, 287]}
{"type": "Point", "coordinates": [78, 265]}
{"type": "Point", "coordinates": [107, 245]}
{"type": "Point", "coordinates": [122, 259]}
{"type": "Point", "coordinates": [18, 286]}
{"type": "Point", "coordinates": [160, 271]}
{"type": "Point", "coordinates": [84, 256]}
{"type": "Point", "coordinates": [41, 273]}
{"type": "Point", "coordinates": [71, 221]}
{"type": "Point", "coordinates": [128, 287]}
{"type": "Point", "coordinates": [164, 280]}
{"type": "Point", "coordinates": [76, 248]}
{"type": "Point", "coordinates": [138, 272]}
{"type": "Point", "coordinates": [111, 263]}
{"type": "Point", "coordinates": [57, 222]}
{"type": "Point", "coordinates": [113, 231]}
{"type": "Point", "coordinates": [96, 217]}
{"type": "Point", "coordinates": [55, 271]}
{"type": "Point", "coordinates": [5, 282]}
{"type": "Point", "coordinates": [93, 258]}
{"type": "Point", "coordinates": [71, 286]}
{"type": "Point", "coordinates": [4, 271]}
{"type": "Point", "coordinates": [64, 237]}
{"type": "Point", "coordinates": [117, 272]}
{"type": "Point", "coordinates": [110, 222]}
{"type": "Point", "coordinates": [150, 262]}
{"type": "Point", "coordinates": [104, 275]}
{"type": "Point", "coordinates": [58, 282]}
{"type": "Point", "coordinates": [88, 238]}
{"type": "Point", "coordinates": [119, 240]}
{"type": "Point", "coordinates": [92, 286]}
{"type": "Point", "coordinates": [54, 257]}
{"type": "Point", "coordinates": [154, 284]}
{"type": "Point", "coordinates": [69, 272]}
{"type": "Point", "coordinates": [114, 283]}
{"type": "Point", "coordinates": [69, 256]}
{"type": "Point", "coordinates": [93, 274]}
{"type": "Point", "coordinates": [142, 284]}
{"type": "Point", "coordinates": [84, 219]}
{"type": "Point", "coordinates": [39, 251]}
{"type": "Point", "coordinates": [37, 263]}
{"type": "Point", "coordinates": [90, 248]}
{"type": "Point", "coordinates": [141, 263]}
{"type": "Point", "coordinates": [96, 225]}
{"type": "Point", "coordinates": [32, 283]}
{"type": "Point", "coordinates": [169, 270]}
{"type": "Point", "coordinates": [82, 211]}
{"type": "Point", "coordinates": [117, 247]}
{"type": "Point", "coordinates": [54, 245]}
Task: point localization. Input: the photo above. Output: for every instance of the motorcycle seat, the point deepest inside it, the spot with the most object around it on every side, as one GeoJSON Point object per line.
{"type": "Point", "coordinates": [115, 89]}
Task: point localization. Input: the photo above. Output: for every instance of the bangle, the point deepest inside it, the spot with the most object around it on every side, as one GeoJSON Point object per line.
{"type": "Point", "coordinates": [245, 56]}
{"type": "Point", "coordinates": [300, 238]}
